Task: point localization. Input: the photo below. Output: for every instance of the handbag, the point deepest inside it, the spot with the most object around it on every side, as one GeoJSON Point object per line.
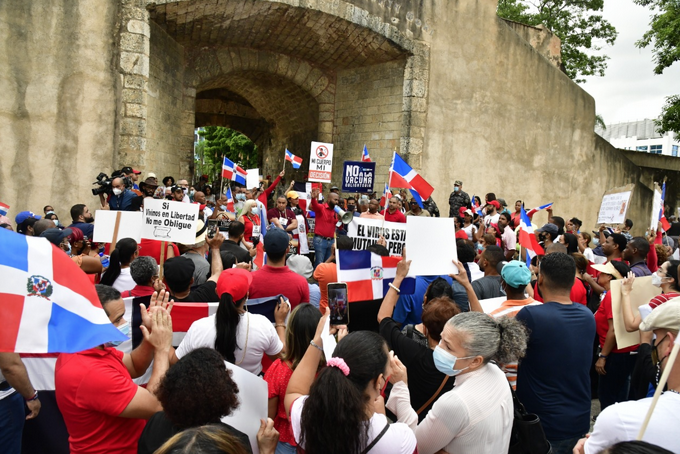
{"type": "Point", "coordinates": [527, 435]}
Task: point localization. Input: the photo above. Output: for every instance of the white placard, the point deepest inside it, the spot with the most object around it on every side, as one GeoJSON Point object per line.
{"type": "Point", "coordinates": [252, 178]}
{"type": "Point", "coordinates": [320, 162]}
{"type": "Point", "coordinates": [431, 246]}
{"type": "Point", "coordinates": [130, 225]}
{"type": "Point", "coordinates": [613, 208]}
{"type": "Point", "coordinates": [166, 220]}
{"type": "Point", "coordinates": [656, 208]}
{"type": "Point", "coordinates": [252, 395]}
{"type": "Point", "coordinates": [491, 304]}
{"type": "Point", "coordinates": [365, 232]}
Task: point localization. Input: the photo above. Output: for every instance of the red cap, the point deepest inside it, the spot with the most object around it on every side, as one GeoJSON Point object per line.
{"type": "Point", "coordinates": [495, 203]}
{"type": "Point", "coordinates": [461, 211]}
{"type": "Point", "coordinates": [461, 234]}
{"type": "Point", "coordinates": [136, 171]}
{"type": "Point", "coordinates": [235, 281]}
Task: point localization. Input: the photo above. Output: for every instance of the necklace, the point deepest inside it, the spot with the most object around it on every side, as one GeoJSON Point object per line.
{"type": "Point", "coordinates": [245, 347]}
{"type": "Point", "coordinates": [674, 391]}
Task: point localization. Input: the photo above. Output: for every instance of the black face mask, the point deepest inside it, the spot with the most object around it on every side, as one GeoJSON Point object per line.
{"type": "Point", "coordinates": [351, 207]}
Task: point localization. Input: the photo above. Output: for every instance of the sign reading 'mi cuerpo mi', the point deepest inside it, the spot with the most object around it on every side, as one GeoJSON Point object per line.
{"type": "Point", "coordinates": [165, 220]}
{"type": "Point", "coordinates": [320, 162]}
{"type": "Point", "coordinates": [358, 176]}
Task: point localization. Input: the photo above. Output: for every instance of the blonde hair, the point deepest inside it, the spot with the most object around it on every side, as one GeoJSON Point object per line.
{"type": "Point", "coordinates": [208, 439]}
{"type": "Point", "coordinates": [248, 206]}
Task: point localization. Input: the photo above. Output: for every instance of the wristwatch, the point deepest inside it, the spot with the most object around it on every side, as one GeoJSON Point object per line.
{"type": "Point", "coordinates": [602, 356]}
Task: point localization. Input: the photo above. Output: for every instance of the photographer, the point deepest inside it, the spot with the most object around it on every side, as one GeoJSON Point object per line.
{"type": "Point", "coordinates": [122, 199]}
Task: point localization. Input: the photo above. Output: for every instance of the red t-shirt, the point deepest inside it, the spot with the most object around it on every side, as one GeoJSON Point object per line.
{"type": "Point", "coordinates": [152, 248]}
{"type": "Point", "coordinates": [578, 293]}
{"type": "Point", "coordinates": [93, 387]}
{"type": "Point", "coordinates": [248, 224]}
{"type": "Point", "coordinates": [270, 281]}
{"type": "Point", "coordinates": [602, 317]}
{"type": "Point", "coordinates": [277, 378]}
{"type": "Point", "coordinates": [397, 216]}
{"type": "Point", "coordinates": [325, 219]}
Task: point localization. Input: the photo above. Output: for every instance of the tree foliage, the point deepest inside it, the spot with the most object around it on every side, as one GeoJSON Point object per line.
{"type": "Point", "coordinates": [578, 25]}
{"type": "Point", "coordinates": [223, 142]}
{"type": "Point", "coordinates": [664, 37]}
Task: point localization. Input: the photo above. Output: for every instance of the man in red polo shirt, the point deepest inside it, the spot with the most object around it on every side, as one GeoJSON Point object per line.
{"type": "Point", "coordinates": [393, 214]}
{"type": "Point", "coordinates": [324, 227]}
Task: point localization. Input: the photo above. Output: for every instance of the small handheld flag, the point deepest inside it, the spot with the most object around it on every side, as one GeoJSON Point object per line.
{"type": "Point", "coordinates": [403, 176]}
{"type": "Point", "coordinates": [662, 218]}
{"type": "Point", "coordinates": [295, 160]}
{"type": "Point", "coordinates": [387, 195]}
{"type": "Point", "coordinates": [4, 208]}
{"type": "Point", "coordinates": [533, 211]}
{"type": "Point", "coordinates": [527, 239]}
{"type": "Point", "coordinates": [232, 172]}
{"type": "Point", "coordinates": [230, 200]}
{"type": "Point", "coordinates": [364, 155]}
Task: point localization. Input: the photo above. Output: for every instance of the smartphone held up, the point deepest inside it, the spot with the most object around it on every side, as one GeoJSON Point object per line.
{"type": "Point", "coordinates": [338, 303]}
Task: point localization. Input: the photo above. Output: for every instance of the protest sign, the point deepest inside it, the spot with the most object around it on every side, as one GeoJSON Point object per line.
{"type": "Point", "coordinates": [358, 176]}
{"type": "Point", "coordinates": [165, 220]}
{"type": "Point", "coordinates": [657, 204]}
{"type": "Point", "coordinates": [107, 230]}
{"type": "Point", "coordinates": [642, 292]}
{"type": "Point", "coordinates": [252, 394]}
{"type": "Point", "coordinates": [320, 162]}
{"type": "Point", "coordinates": [365, 232]}
{"type": "Point", "coordinates": [431, 246]}
{"type": "Point", "coordinates": [615, 205]}
{"type": "Point", "coordinates": [252, 178]}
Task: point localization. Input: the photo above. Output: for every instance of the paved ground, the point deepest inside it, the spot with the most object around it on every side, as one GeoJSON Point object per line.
{"type": "Point", "coordinates": [594, 411]}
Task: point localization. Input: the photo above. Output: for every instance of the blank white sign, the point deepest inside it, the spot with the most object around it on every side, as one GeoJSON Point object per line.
{"type": "Point", "coordinates": [431, 246]}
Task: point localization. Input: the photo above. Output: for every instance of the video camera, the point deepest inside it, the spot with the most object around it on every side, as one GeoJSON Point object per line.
{"type": "Point", "coordinates": [104, 183]}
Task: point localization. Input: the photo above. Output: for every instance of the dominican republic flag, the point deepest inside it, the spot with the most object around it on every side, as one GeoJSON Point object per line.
{"type": "Point", "coordinates": [304, 191]}
{"type": "Point", "coordinates": [527, 239]}
{"type": "Point", "coordinates": [232, 172]}
{"type": "Point", "coordinates": [533, 211]}
{"type": "Point", "coordinates": [47, 303]}
{"type": "Point", "coordinates": [403, 176]}
{"type": "Point", "coordinates": [387, 195]}
{"type": "Point", "coordinates": [295, 160]}
{"type": "Point", "coordinates": [662, 217]}
{"type": "Point", "coordinates": [476, 208]}
{"type": "Point", "coordinates": [368, 275]}
{"type": "Point", "coordinates": [230, 200]}
{"type": "Point", "coordinates": [4, 208]}
{"type": "Point", "coordinates": [364, 155]}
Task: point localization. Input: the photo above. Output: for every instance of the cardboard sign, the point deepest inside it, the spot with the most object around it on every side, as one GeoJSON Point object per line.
{"type": "Point", "coordinates": [129, 226]}
{"type": "Point", "coordinates": [320, 162]}
{"type": "Point", "coordinates": [642, 292]}
{"type": "Point", "coordinates": [358, 176]}
{"type": "Point", "coordinates": [431, 246]}
{"type": "Point", "coordinates": [657, 204]}
{"type": "Point", "coordinates": [252, 178]}
{"type": "Point", "coordinates": [365, 232]}
{"type": "Point", "coordinates": [166, 220]}
{"type": "Point", "coordinates": [614, 205]}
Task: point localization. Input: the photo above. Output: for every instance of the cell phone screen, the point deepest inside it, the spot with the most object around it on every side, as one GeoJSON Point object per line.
{"type": "Point", "coordinates": [212, 228]}
{"type": "Point", "coordinates": [338, 303]}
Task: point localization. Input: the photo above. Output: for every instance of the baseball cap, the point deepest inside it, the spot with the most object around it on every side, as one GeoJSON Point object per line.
{"type": "Point", "coordinates": [178, 272]}
{"type": "Point", "coordinates": [292, 195]}
{"type": "Point", "coordinates": [665, 316]}
{"type": "Point", "coordinates": [502, 202]}
{"type": "Point", "coordinates": [21, 217]}
{"type": "Point", "coordinates": [495, 203]}
{"type": "Point", "coordinates": [55, 235]}
{"type": "Point", "coordinates": [550, 228]}
{"type": "Point", "coordinates": [234, 281]}
{"type": "Point", "coordinates": [468, 211]}
{"type": "Point", "coordinates": [276, 241]}
{"type": "Point", "coordinates": [607, 268]}
{"type": "Point", "coordinates": [176, 188]}
{"type": "Point", "coordinates": [334, 187]}
{"type": "Point", "coordinates": [299, 264]}
{"type": "Point", "coordinates": [458, 183]}
{"type": "Point", "coordinates": [461, 234]}
{"type": "Point", "coordinates": [515, 273]}
{"type": "Point", "coordinates": [129, 169]}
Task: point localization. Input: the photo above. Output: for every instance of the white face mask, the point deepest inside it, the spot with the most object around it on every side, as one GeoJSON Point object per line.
{"type": "Point", "coordinates": [656, 280]}
{"type": "Point", "coordinates": [117, 191]}
{"type": "Point", "coordinates": [255, 211]}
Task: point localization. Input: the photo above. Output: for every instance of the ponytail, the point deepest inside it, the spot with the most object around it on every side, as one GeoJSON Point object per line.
{"type": "Point", "coordinates": [333, 419]}
{"type": "Point", "coordinates": [125, 250]}
{"type": "Point", "coordinates": [226, 322]}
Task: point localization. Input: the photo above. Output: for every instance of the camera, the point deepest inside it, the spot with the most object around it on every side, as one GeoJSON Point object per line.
{"type": "Point", "coordinates": [104, 183]}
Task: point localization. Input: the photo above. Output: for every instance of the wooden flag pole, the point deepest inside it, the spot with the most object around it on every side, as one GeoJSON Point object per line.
{"type": "Point", "coordinates": [116, 227]}
{"type": "Point", "coordinates": [659, 389]}
{"type": "Point", "coordinates": [164, 246]}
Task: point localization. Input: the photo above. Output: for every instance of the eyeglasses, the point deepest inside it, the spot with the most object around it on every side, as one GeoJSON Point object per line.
{"type": "Point", "coordinates": [655, 351]}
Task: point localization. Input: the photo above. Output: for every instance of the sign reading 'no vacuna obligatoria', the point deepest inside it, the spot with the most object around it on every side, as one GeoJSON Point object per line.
{"type": "Point", "coordinates": [358, 176]}
{"type": "Point", "coordinates": [166, 220]}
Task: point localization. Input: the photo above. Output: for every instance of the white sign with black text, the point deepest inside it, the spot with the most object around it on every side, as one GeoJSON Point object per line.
{"type": "Point", "coordinates": [165, 220]}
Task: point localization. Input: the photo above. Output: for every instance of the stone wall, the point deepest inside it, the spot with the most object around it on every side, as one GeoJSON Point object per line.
{"type": "Point", "coordinates": [58, 109]}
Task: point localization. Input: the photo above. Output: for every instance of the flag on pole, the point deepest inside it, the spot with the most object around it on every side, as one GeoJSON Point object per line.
{"type": "Point", "coordinates": [533, 211]}
{"type": "Point", "coordinates": [230, 200]}
{"type": "Point", "coordinates": [364, 155]}
{"type": "Point", "coordinates": [47, 303]}
{"type": "Point", "coordinates": [662, 217]}
{"type": "Point", "coordinates": [295, 160]}
{"type": "Point", "coordinates": [527, 239]}
{"type": "Point", "coordinates": [232, 172]}
{"type": "Point", "coordinates": [387, 195]}
{"type": "Point", "coordinates": [403, 176]}
{"type": "Point", "coordinates": [304, 191]}
{"type": "Point", "coordinates": [4, 208]}
{"type": "Point", "coordinates": [368, 275]}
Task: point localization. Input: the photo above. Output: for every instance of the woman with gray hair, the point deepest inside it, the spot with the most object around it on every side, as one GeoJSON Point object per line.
{"type": "Point", "coordinates": [477, 414]}
{"type": "Point", "coordinates": [144, 271]}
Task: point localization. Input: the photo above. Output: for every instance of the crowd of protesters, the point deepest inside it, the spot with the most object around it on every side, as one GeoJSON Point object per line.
{"type": "Point", "coordinates": [428, 372]}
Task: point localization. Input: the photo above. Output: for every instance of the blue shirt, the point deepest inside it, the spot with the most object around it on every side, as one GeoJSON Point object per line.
{"type": "Point", "coordinates": [553, 379]}
{"type": "Point", "coordinates": [86, 227]}
{"type": "Point", "coordinates": [410, 307]}
{"type": "Point", "coordinates": [314, 295]}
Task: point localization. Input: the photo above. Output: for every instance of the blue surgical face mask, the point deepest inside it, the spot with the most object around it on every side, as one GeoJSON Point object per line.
{"type": "Point", "coordinates": [125, 329]}
{"type": "Point", "coordinates": [596, 241]}
{"type": "Point", "coordinates": [56, 222]}
{"type": "Point", "coordinates": [223, 208]}
{"type": "Point", "coordinates": [445, 361]}
{"type": "Point", "coordinates": [255, 211]}
{"type": "Point", "coordinates": [456, 189]}
{"type": "Point", "coordinates": [241, 197]}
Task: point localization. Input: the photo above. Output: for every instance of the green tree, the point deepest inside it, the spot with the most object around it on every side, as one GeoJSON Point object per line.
{"type": "Point", "coordinates": [223, 142]}
{"type": "Point", "coordinates": [664, 37]}
{"type": "Point", "coordinates": [578, 25]}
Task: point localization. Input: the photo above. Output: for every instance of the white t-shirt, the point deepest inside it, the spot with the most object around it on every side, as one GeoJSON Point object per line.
{"type": "Point", "coordinates": [262, 339]}
{"type": "Point", "coordinates": [622, 422]}
{"type": "Point", "coordinates": [589, 255]}
{"type": "Point", "coordinates": [124, 281]}
{"type": "Point", "coordinates": [470, 230]}
{"type": "Point", "coordinates": [491, 219]}
{"type": "Point", "coordinates": [399, 439]}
